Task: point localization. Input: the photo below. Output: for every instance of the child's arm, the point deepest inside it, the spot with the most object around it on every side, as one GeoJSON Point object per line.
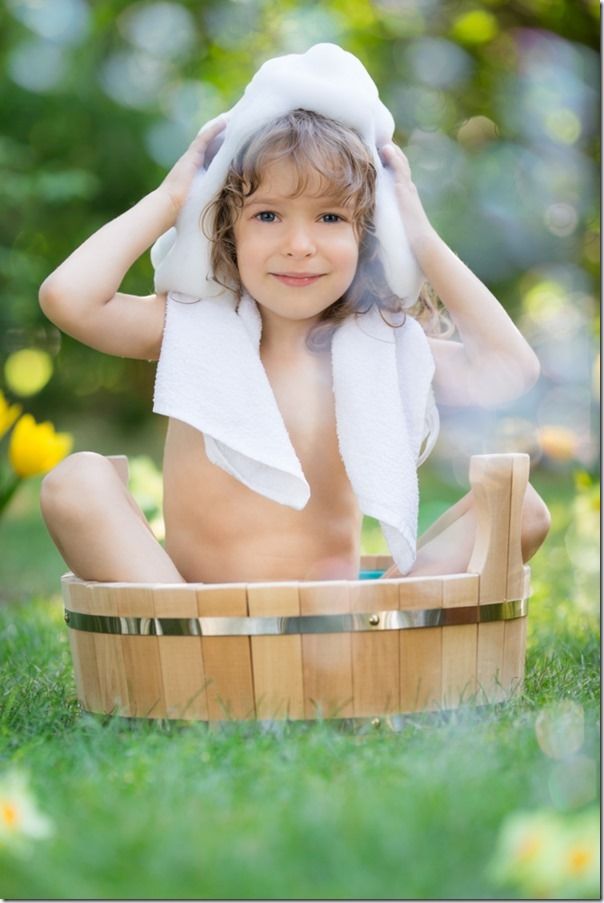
{"type": "Point", "coordinates": [493, 363]}
{"type": "Point", "coordinates": [81, 296]}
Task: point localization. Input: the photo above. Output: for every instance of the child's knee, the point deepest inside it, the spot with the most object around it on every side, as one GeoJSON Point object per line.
{"type": "Point", "coordinates": [536, 518]}
{"type": "Point", "coordinates": [74, 483]}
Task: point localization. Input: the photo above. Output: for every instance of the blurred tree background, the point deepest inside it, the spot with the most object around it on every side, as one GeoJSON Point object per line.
{"type": "Point", "coordinates": [497, 108]}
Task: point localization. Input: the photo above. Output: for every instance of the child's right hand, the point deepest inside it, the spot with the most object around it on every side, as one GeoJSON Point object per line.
{"type": "Point", "coordinates": [82, 295]}
{"type": "Point", "coordinates": [177, 183]}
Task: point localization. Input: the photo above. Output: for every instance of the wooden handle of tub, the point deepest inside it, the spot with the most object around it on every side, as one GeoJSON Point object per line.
{"type": "Point", "coordinates": [499, 484]}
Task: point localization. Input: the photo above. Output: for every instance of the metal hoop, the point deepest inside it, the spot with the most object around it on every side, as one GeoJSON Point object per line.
{"type": "Point", "coordinates": [279, 626]}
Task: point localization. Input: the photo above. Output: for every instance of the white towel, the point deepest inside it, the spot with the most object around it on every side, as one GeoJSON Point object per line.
{"type": "Point", "coordinates": [210, 375]}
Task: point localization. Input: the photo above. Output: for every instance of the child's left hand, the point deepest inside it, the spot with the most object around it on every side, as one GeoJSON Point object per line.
{"type": "Point", "coordinates": [416, 222]}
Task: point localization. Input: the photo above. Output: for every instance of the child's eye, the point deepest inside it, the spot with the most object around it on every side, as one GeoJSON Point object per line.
{"type": "Point", "coordinates": [266, 216]}
{"type": "Point", "coordinates": [331, 218]}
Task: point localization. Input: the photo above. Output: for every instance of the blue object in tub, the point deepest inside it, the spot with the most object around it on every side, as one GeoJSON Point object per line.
{"type": "Point", "coordinates": [370, 575]}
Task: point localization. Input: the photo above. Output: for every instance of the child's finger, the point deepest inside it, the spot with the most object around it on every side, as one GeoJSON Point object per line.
{"type": "Point", "coordinates": [202, 141]}
{"type": "Point", "coordinates": [385, 153]}
{"type": "Point", "coordinates": [199, 145]}
{"type": "Point", "coordinates": [210, 131]}
{"type": "Point", "coordinates": [394, 159]}
{"type": "Point", "coordinates": [392, 154]}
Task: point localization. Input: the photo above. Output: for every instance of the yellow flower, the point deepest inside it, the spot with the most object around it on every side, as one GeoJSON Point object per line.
{"type": "Point", "coordinates": [528, 850]}
{"type": "Point", "coordinates": [20, 818]}
{"type": "Point", "coordinates": [582, 860]}
{"type": "Point", "coordinates": [36, 447]}
{"type": "Point", "coordinates": [8, 414]}
{"type": "Point", "coordinates": [549, 854]}
{"type": "Point", "coordinates": [579, 859]}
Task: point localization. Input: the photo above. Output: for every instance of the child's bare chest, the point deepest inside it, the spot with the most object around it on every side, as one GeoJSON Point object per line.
{"type": "Point", "coordinates": [241, 531]}
{"type": "Point", "coordinates": [308, 412]}
{"type": "Point", "coordinates": [305, 400]}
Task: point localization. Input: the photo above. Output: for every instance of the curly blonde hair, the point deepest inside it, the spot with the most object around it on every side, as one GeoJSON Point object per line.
{"type": "Point", "coordinates": [319, 146]}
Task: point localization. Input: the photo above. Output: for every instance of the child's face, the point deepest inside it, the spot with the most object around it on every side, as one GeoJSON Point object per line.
{"type": "Point", "coordinates": [295, 255]}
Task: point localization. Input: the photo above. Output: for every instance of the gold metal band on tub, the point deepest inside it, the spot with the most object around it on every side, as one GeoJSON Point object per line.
{"type": "Point", "coordinates": [298, 624]}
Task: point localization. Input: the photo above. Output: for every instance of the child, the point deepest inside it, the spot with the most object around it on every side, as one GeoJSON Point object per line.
{"type": "Point", "coordinates": [294, 237]}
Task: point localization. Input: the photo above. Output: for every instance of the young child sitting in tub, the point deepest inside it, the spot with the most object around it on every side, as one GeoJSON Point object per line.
{"type": "Point", "coordinates": [292, 228]}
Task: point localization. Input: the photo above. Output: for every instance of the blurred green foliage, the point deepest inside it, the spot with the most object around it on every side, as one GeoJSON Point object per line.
{"type": "Point", "coordinates": [496, 103]}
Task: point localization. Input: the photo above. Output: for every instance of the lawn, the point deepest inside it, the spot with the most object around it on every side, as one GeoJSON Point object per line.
{"type": "Point", "coordinates": [489, 802]}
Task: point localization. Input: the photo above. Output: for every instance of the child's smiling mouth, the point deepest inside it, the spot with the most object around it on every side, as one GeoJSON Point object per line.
{"type": "Point", "coordinates": [298, 278]}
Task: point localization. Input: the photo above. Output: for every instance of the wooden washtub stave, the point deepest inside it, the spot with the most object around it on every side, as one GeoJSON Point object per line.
{"type": "Point", "coordinates": [362, 648]}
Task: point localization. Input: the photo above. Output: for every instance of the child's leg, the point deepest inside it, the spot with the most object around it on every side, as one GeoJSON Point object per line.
{"type": "Point", "coordinates": [446, 547]}
{"type": "Point", "coordinates": [97, 526]}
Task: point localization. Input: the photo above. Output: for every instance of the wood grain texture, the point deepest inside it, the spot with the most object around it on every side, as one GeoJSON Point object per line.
{"type": "Point", "coordinates": [227, 660]}
{"type": "Point", "coordinates": [327, 658]}
{"type": "Point", "coordinates": [421, 650]}
{"type": "Point", "coordinates": [459, 642]}
{"type": "Point", "coordinates": [489, 665]}
{"type": "Point", "coordinates": [276, 660]}
{"type": "Point", "coordinates": [514, 653]}
{"type": "Point", "coordinates": [182, 669]}
{"type": "Point", "coordinates": [515, 566]}
{"type": "Point", "coordinates": [141, 655]}
{"type": "Point", "coordinates": [526, 585]}
{"type": "Point", "coordinates": [109, 652]}
{"type": "Point", "coordinates": [499, 484]}
{"type": "Point", "coordinates": [491, 480]}
{"type": "Point", "coordinates": [88, 683]}
{"type": "Point", "coordinates": [375, 656]}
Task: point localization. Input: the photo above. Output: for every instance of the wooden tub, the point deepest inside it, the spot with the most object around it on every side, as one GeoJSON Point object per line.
{"type": "Point", "coordinates": [339, 648]}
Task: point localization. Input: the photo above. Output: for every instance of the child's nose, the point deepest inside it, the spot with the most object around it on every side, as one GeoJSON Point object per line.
{"type": "Point", "coordinates": [299, 241]}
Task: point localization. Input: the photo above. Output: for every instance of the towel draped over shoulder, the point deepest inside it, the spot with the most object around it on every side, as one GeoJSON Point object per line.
{"type": "Point", "coordinates": [210, 375]}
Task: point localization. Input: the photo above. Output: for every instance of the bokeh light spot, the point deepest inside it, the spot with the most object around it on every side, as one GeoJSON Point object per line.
{"type": "Point", "coordinates": [147, 25]}
{"type": "Point", "coordinates": [560, 729]}
{"type": "Point", "coordinates": [438, 63]}
{"type": "Point", "coordinates": [436, 162]}
{"type": "Point", "coordinates": [573, 782]}
{"type": "Point", "coordinates": [477, 131]}
{"type": "Point", "coordinates": [166, 141]}
{"type": "Point", "coordinates": [27, 371]}
{"type": "Point", "coordinates": [404, 18]}
{"type": "Point", "coordinates": [475, 27]}
{"type": "Point", "coordinates": [36, 65]}
{"type": "Point", "coordinates": [133, 79]}
{"type": "Point", "coordinates": [591, 247]}
{"type": "Point", "coordinates": [561, 219]}
{"type": "Point", "coordinates": [192, 103]}
{"type": "Point", "coordinates": [301, 27]}
{"type": "Point", "coordinates": [558, 442]}
{"type": "Point", "coordinates": [63, 21]}
{"type": "Point", "coordinates": [544, 300]}
{"type": "Point", "coordinates": [229, 23]}
{"type": "Point", "coordinates": [563, 125]}
{"type": "Point", "coordinates": [568, 408]}
{"type": "Point", "coordinates": [416, 106]}
{"type": "Point", "coordinates": [517, 434]}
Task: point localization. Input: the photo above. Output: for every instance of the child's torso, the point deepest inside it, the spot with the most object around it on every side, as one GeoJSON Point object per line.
{"type": "Point", "coordinates": [218, 530]}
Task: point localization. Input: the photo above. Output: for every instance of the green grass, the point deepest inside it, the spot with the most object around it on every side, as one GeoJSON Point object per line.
{"type": "Point", "coordinates": [329, 810]}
